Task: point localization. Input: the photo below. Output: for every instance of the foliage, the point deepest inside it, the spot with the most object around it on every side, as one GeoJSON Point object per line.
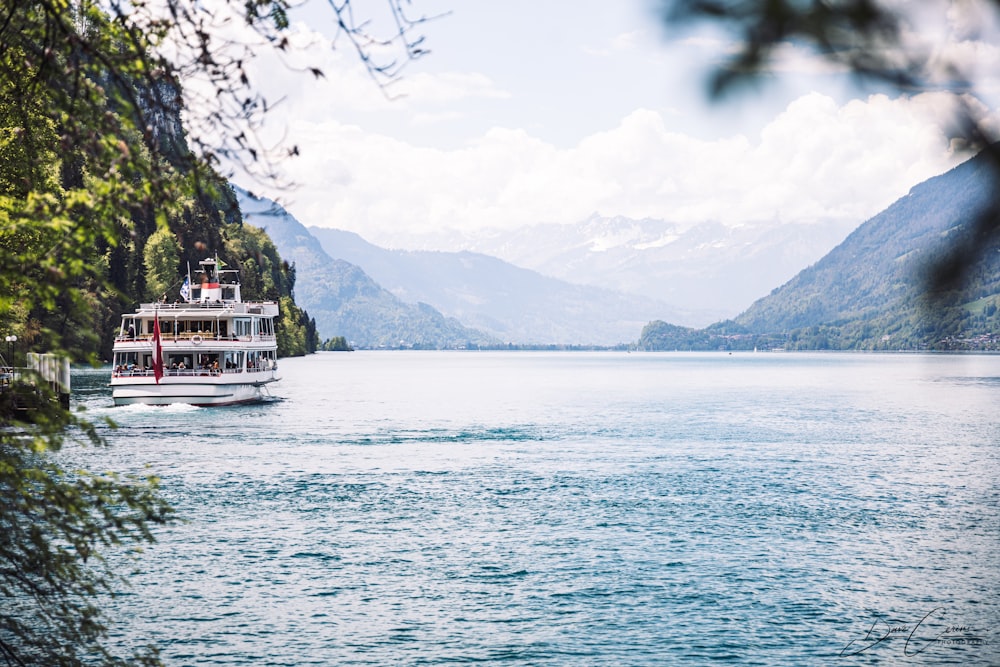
{"type": "Point", "coordinates": [336, 344]}
{"type": "Point", "coordinates": [858, 35]}
{"type": "Point", "coordinates": [659, 335]}
{"type": "Point", "coordinates": [55, 528]}
{"type": "Point", "coordinates": [874, 40]}
{"type": "Point", "coordinates": [93, 155]}
{"type": "Point", "coordinates": [264, 276]}
{"type": "Point", "coordinates": [96, 179]}
{"type": "Point", "coordinates": [69, 169]}
{"type": "Point", "coordinates": [295, 330]}
{"type": "Point", "coordinates": [161, 258]}
{"type": "Point", "coordinates": [75, 171]}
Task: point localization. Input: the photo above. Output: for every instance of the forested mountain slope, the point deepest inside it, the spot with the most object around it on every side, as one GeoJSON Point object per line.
{"type": "Point", "coordinates": [344, 300]}
{"type": "Point", "coordinates": [871, 291]}
{"type": "Point", "coordinates": [78, 250]}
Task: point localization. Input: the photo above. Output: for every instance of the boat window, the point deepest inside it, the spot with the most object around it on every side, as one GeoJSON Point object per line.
{"type": "Point", "coordinates": [164, 326]}
{"type": "Point", "coordinates": [128, 327]}
{"type": "Point", "coordinates": [233, 361]}
{"type": "Point", "coordinates": [178, 361]}
{"type": "Point", "coordinates": [241, 326]}
{"type": "Point", "coordinates": [126, 360]}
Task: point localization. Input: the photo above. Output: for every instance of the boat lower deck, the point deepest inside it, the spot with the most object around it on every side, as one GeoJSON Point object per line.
{"type": "Point", "coordinates": [201, 391]}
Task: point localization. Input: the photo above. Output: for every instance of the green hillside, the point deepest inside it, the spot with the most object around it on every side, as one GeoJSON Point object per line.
{"type": "Point", "coordinates": [78, 292]}
{"type": "Point", "coordinates": [872, 291]}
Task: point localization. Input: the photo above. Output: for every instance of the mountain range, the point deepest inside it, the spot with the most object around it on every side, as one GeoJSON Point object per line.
{"type": "Point", "coordinates": [508, 302]}
{"type": "Point", "coordinates": [599, 282]}
{"type": "Point", "coordinates": [390, 298]}
{"type": "Point", "coordinates": [706, 272]}
{"type": "Point", "coordinates": [876, 290]}
{"type": "Point", "coordinates": [343, 300]}
{"type": "Point", "coordinates": [613, 269]}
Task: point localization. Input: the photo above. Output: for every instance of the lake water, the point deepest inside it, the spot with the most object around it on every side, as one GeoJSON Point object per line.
{"type": "Point", "coordinates": [518, 508]}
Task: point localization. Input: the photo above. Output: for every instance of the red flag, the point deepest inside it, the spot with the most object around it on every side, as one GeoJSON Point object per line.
{"type": "Point", "coordinates": [157, 349]}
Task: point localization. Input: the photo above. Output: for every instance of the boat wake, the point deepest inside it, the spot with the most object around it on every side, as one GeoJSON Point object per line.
{"type": "Point", "coordinates": [135, 413]}
{"type": "Point", "coordinates": [143, 408]}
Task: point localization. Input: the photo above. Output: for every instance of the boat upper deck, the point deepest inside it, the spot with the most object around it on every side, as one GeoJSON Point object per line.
{"type": "Point", "coordinates": [222, 322]}
{"type": "Point", "coordinates": [195, 308]}
{"type": "Point", "coordinates": [212, 311]}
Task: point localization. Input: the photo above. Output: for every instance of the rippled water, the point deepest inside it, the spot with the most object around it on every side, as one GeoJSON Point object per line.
{"type": "Point", "coordinates": [406, 508]}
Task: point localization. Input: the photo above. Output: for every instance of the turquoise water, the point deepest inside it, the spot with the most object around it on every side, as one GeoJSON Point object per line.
{"type": "Point", "coordinates": [425, 508]}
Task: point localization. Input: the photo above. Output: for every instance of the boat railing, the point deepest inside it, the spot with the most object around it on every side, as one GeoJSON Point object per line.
{"type": "Point", "coordinates": [238, 307]}
{"type": "Point", "coordinates": [262, 367]}
{"type": "Point", "coordinates": [173, 372]}
{"type": "Point", "coordinates": [191, 305]}
{"type": "Point", "coordinates": [189, 372]}
{"type": "Point", "coordinates": [194, 337]}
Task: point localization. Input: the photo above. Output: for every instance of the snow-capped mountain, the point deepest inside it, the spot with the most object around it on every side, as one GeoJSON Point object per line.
{"type": "Point", "coordinates": [510, 302]}
{"type": "Point", "coordinates": [372, 295]}
{"type": "Point", "coordinates": [707, 272]}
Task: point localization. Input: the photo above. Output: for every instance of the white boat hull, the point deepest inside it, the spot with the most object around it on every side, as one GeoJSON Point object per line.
{"type": "Point", "coordinates": [129, 391]}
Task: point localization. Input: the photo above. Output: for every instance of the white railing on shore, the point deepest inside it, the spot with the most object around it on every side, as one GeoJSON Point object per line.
{"type": "Point", "coordinates": [53, 369]}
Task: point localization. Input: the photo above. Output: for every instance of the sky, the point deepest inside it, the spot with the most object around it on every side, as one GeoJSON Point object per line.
{"type": "Point", "coordinates": [527, 112]}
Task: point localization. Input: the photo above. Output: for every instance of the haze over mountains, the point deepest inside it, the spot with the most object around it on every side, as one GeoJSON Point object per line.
{"type": "Point", "coordinates": [613, 268]}
{"type": "Point", "coordinates": [706, 273]}
{"type": "Point", "coordinates": [501, 303]}
{"type": "Point", "coordinates": [511, 303]}
{"type": "Point", "coordinates": [343, 300]}
{"type": "Point", "coordinates": [599, 282]}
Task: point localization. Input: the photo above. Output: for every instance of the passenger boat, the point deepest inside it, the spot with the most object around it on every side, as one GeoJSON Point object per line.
{"type": "Point", "coordinates": [208, 348]}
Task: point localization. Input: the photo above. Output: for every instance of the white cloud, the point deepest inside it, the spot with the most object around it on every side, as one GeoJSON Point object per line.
{"type": "Point", "coordinates": [626, 41]}
{"type": "Point", "coordinates": [375, 165]}
{"type": "Point", "coordinates": [447, 87]}
{"type": "Point", "coordinates": [345, 89]}
{"type": "Point", "coordinates": [816, 161]}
